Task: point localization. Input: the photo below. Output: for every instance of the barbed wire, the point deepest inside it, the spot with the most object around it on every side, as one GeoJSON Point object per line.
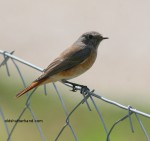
{"type": "Point", "coordinates": [86, 95]}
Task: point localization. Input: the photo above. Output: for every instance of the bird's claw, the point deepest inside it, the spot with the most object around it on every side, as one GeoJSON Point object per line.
{"type": "Point", "coordinates": [74, 89]}
{"type": "Point", "coordinates": [84, 89]}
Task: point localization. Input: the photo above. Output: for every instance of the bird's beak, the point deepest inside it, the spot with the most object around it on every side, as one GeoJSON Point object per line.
{"type": "Point", "coordinates": [105, 38]}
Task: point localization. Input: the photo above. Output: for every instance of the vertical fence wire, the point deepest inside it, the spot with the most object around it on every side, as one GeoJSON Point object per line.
{"type": "Point", "coordinates": [5, 124]}
{"type": "Point", "coordinates": [89, 94]}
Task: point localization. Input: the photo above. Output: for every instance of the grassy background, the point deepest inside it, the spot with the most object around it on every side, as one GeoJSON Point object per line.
{"type": "Point", "coordinates": [86, 124]}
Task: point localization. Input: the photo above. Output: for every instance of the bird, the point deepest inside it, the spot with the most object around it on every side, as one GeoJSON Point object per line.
{"type": "Point", "coordinates": [72, 62]}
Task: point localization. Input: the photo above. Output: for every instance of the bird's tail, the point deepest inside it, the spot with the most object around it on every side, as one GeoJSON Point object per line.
{"type": "Point", "coordinates": [33, 85]}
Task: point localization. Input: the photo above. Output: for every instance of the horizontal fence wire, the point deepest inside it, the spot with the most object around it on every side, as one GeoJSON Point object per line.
{"type": "Point", "coordinates": [91, 95]}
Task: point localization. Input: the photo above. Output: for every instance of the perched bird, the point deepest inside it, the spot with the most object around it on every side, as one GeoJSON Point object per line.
{"type": "Point", "coordinates": [70, 63]}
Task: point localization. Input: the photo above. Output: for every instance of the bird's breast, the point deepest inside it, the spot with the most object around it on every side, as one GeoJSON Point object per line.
{"type": "Point", "coordinates": [80, 68]}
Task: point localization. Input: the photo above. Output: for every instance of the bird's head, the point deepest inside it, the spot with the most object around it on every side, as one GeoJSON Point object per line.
{"type": "Point", "coordinates": [91, 39]}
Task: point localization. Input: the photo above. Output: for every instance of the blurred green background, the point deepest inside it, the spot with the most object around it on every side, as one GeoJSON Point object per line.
{"type": "Point", "coordinates": [39, 31]}
{"type": "Point", "coordinates": [85, 123]}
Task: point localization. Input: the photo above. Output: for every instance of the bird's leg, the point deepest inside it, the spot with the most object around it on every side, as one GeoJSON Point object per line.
{"type": "Point", "coordinates": [84, 89]}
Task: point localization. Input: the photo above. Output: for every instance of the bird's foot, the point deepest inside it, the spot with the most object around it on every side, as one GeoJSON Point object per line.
{"type": "Point", "coordinates": [83, 90]}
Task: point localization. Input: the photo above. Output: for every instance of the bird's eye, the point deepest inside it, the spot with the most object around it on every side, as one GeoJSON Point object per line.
{"type": "Point", "coordinates": [90, 36]}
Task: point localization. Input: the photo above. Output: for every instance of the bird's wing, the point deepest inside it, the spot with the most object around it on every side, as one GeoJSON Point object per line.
{"type": "Point", "coordinates": [67, 60]}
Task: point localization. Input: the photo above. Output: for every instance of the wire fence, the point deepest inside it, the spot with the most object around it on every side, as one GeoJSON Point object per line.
{"type": "Point", "coordinates": [87, 95]}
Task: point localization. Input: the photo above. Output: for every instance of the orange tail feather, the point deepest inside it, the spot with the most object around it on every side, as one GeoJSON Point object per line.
{"type": "Point", "coordinates": [33, 85]}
